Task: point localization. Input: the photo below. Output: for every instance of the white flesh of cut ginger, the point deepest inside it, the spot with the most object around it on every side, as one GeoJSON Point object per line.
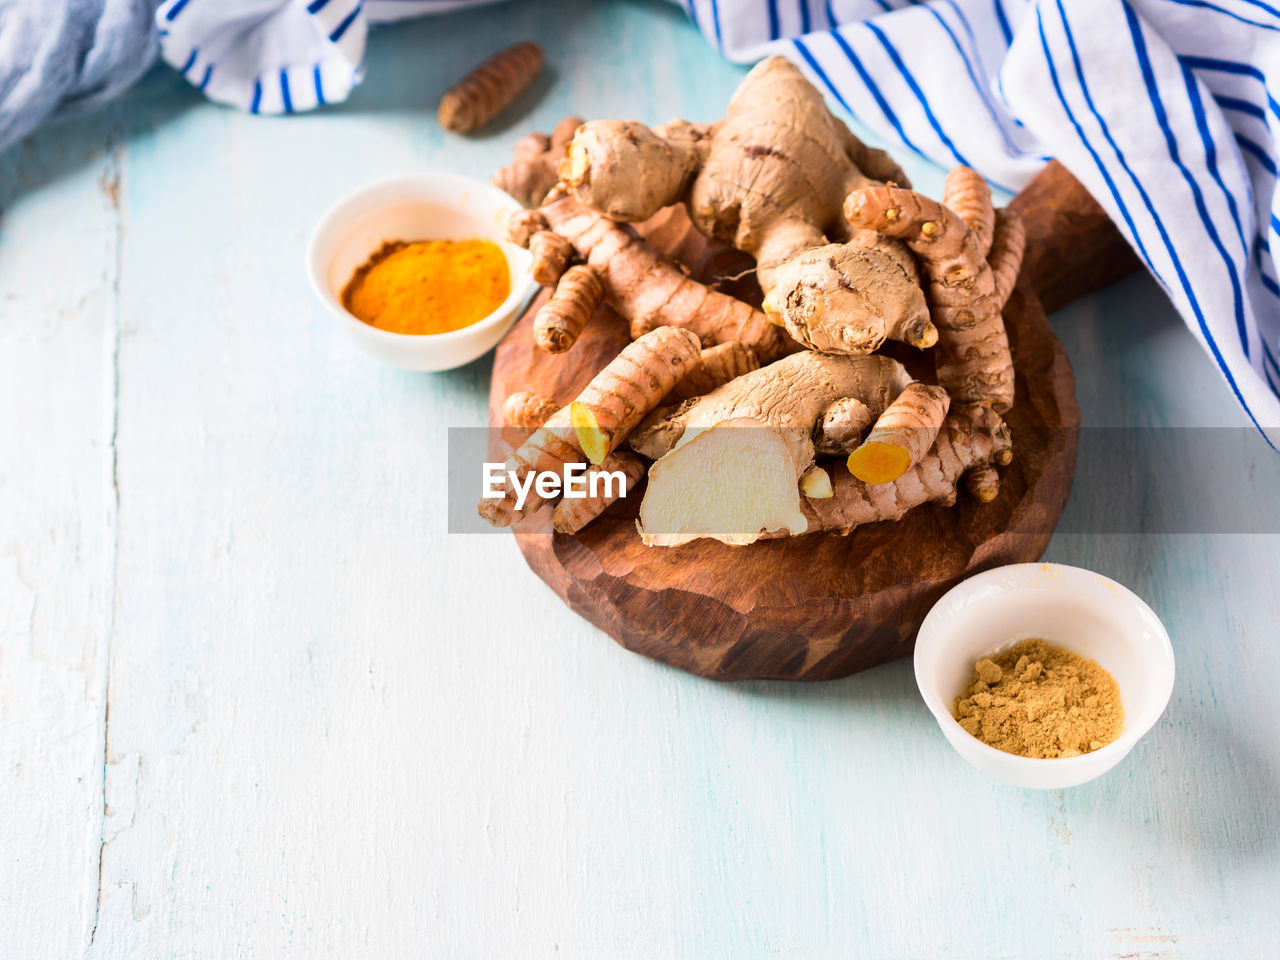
{"type": "Point", "coordinates": [731, 483]}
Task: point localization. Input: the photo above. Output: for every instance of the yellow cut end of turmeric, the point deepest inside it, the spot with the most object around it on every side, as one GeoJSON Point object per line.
{"type": "Point", "coordinates": [430, 286]}
{"type": "Point", "coordinates": [876, 463]}
{"type": "Point", "coordinates": [594, 441]}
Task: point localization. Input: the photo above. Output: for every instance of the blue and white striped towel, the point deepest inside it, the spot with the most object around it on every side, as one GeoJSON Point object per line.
{"type": "Point", "coordinates": [1162, 108]}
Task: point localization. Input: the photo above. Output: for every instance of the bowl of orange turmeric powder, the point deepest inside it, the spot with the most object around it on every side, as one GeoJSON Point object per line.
{"type": "Point", "coordinates": [418, 271]}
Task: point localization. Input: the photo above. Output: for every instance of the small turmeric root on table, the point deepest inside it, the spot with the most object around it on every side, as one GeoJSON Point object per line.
{"type": "Point", "coordinates": [631, 385]}
{"type": "Point", "coordinates": [613, 479]}
{"type": "Point", "coordinates": [559, 321]}
{"type": "Point", "coordinates": [488, 89]}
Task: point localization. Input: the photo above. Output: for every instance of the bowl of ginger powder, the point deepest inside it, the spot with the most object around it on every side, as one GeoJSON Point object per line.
{"type": "Point", "coordinates": [1043, 675]}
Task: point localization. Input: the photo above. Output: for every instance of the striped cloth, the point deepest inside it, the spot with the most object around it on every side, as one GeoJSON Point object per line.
{"type": "Point", "coordinates": [1162, 108]}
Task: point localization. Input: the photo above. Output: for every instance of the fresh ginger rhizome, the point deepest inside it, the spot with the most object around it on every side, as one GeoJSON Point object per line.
{"type": "Point", "coordinates": [846, 255]}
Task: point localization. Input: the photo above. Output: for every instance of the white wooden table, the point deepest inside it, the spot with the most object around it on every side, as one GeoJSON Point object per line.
{"type": "Point", "coordinates": [256, 702]}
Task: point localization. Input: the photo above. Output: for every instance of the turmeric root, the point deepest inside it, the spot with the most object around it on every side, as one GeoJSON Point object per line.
{"type": "Point", "coordinates": [551, 254]}
{"type": "Point", "coordinates": [731, 461]}
{"type": "Point", "coordinates": [974, 363]}
{"type": "Point", "coordinates": [659, 431]}
{"type": "Point", "coordinates": [650, 291]}
{"type": "Point", "coordinates": [903, 435]}
{"type": "Point", "coordinates": [769, 179]}
{"type": "Point", "coordinates": [548, 450]}
{"type": "Point", "coordinates": [532, 172]}
{"type": "Point", "coordinates": [615, 400]}
{"type": "Point", "coordinates": [1006, 253]}
{"type": "Point", "coordinates": [527, 410]}
{"type": "Point", "coordinates": [631, 385]}
{"type": "Point", "coordinates": [560, 320]}
{"type": "Point", "coordinates": [523, 225]}
{"type": "Point", "coordinates": [715, 367]}
{"type": "Point", "coordinates": [969, 441]}
{"type": "Point", "coordinates": [983, 483]}
{"type": "Point", "coordinates": [969, 197]}
{"type": "Point", "coordinates": [612, 480]}
{"type": "Point", "coordinates": [487, 90]}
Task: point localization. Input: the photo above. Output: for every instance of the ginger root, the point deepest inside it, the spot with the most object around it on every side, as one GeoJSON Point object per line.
{"type": "Point", "coordinates": [488, 89]}
{"type": "Point", "coordinates": [817, 293]}
{"type": "Point", "coordinates": [847, 257]}
{"type": "Point", "coordinates": [731, 461]}
{"type": "Point", "coordinates": [842, 426]}
{"type": "Point", "coordinates": [769, 179]}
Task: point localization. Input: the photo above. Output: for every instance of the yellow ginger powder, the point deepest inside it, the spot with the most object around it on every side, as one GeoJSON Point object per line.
{"type": "Point", "coordinates": [1040, 701]}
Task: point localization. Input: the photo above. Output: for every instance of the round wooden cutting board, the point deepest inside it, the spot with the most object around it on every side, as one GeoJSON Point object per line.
{"type": "Point", "coordinates": [822, 606]}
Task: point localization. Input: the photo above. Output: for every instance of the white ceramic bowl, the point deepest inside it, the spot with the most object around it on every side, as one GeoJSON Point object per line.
{"type": "Point", "coordinates": [417, 206]}
{"type": "Point", "coordinates": [1075, 609]}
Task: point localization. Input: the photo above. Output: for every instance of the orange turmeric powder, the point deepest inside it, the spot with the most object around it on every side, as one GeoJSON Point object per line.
{"type": "Point", "coordinates": [432, 286]}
